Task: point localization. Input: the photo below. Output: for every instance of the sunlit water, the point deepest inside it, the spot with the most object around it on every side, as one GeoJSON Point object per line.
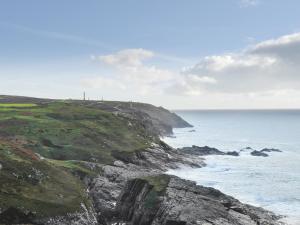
{"type": "Point", "coordinates": [272, 182]}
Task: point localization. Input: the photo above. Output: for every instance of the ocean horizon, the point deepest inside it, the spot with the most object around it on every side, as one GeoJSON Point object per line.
{"type": "Point", "coordinates": [270, 182]}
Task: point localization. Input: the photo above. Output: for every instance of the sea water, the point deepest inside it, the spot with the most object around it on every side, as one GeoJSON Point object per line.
{"type": "Point", "coordinates": [270, 182]}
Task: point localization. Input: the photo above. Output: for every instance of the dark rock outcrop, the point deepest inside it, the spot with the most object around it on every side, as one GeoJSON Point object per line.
{"type": "Point", "coordinates": [138, 202]}
{"type": "Point", "coordinates": [259, 153]}
{"type": "Point", "coordinates": [201, 151]}
{"type": "Point", "coordinates": [206, 150]}
{"type": "Point", "coordinates": [183, 202]}
{"type": "Point", "coordinates": [270, 150]}
{"type": "Point", "coordinates": [233, 153]}
{"type": "Point", "coordinates": [263, 152]}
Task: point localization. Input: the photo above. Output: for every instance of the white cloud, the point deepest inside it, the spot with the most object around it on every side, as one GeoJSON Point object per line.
{"type": "Point", "coordinates": [130, 68]}
{"type": "Point", "coordinates": [204, 79]}
{"type": "Point", "coordinates": [248, 3]}
{"type": "Point", "coordinates": [286, 48]}
{"type": "Point", "coordinates": [262, 73]}
{"type": "Point", "coordinates": [232, 61]}
{"type": "Point", "coordinates": [267, 67]}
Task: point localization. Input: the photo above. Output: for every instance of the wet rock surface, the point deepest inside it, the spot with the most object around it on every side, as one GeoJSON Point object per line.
{"type": "Point", "coordinates": [180, 202]}
{"type": "Point", "coordinates": [263, 152]}
{"type": "Point", "coordinates": [205, 150]}
{"type": "Point", "coordinates": [270, 150]}
{"type": "Point", "coordinates": [135, 194]}
{"type": "Point", "coordinates": [259, 153]}
{"type": "Point", "coordinates": [201, 151]}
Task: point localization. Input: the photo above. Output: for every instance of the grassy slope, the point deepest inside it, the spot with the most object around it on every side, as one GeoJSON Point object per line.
{"type": "Point", "coordinates": [29, 183]}
{"type": "Point", "coordinates": [71, 131]}
{"type": "Point", "coordinates": [61, 132]}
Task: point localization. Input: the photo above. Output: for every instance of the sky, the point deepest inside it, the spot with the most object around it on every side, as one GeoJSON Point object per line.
{"type": "Point", "coordinates": [193, 54]}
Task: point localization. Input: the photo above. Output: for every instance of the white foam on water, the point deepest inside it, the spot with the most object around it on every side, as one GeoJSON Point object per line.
{"type": "Point", "coordinates": [271, 182]}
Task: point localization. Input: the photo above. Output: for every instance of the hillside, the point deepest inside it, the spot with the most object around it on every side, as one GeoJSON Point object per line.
{"type": "Point", "coordinates": [44, 144]}
{"type": "Point", "coordinates": [158, 120]}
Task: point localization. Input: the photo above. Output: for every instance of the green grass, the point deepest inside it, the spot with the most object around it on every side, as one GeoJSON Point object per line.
{"type": "Point", "coordinates": [37, 185]}
{"type": "Point", "coordinates": [17, 105]}
{"type": "Point", "coordinates": [66, 134]}
{"type": "Point", "coordinates": [77, 168]}
{"type": "Point", "coordinates": [70, 131]}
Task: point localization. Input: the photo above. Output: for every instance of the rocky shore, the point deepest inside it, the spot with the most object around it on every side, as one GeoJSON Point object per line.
{"type": "Point", "coordinates": [139, 193]}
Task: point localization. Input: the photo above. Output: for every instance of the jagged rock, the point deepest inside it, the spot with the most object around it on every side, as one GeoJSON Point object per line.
{"type": "Point", "coordinates": [263, 152]}
{"type": "Point", "coordinates": [129, 195]}
{"type": "Point", "coordinates": [259, 153]}
{"type": "Point", "coordinates": [206, 150]}
{"type": "Point", "coordinates": [270, 150]}
{"type": "Point", "coordinates": [246, 149]}
{"type": "Point", "coordinates": [233, 153]}
{"type": "Point", "coordinates": [201, 151]}
{"type": "Point", "coordinates": [183, 202]}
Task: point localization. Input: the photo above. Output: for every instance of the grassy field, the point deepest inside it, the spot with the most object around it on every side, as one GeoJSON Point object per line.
{"type": "Point", "coordinates": [43, 148]}
{"type": "Point", "coordinates": [70, 131]}
{"type": "Point", "coordinates": [27, 182]}
{"type": "Point", "coordinates": [17, 105]}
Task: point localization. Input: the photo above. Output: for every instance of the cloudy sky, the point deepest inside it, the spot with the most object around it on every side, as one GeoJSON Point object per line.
{"type": "Point", "coordinates": [179, 54]}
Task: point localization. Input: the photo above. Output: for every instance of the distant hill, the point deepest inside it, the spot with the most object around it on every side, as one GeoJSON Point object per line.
{"type": "Point", "coordinates": [158, 119]}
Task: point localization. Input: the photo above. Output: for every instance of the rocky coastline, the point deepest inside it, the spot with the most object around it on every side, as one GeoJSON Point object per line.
{"type": "Point", "coordinates": [127, 188]}
{"type": "Point", "coordinates": [144, 194]}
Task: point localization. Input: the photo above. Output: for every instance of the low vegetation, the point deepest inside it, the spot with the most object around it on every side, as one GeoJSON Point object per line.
{"type": "Point", "coordinates": [71, 131]}
{"type": "Point", "coordinates": [44, 148]}
{"type": "Point", "coordinates": [159, 183]}
{"type": "Point", "coordinates": [16, 105]}
{"type": "Point", "coordinates": [33, 184]}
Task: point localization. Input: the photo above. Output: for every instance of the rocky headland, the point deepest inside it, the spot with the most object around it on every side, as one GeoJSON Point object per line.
{"type": "Point", "coordinates": [103, 163]}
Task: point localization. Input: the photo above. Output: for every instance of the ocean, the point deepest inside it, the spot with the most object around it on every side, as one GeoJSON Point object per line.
{"type": "Point", "coordinates": [270, 182]}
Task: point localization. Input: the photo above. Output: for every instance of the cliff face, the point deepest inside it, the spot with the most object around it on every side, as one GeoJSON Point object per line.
{"type": "Point", "coordinates": [143, 195]}
{"type": "Point", "coordinates": [183, 202]}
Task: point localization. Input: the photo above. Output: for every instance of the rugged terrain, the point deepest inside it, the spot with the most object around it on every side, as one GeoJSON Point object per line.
{"type": "Point", "coordinates": [99, 162]}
